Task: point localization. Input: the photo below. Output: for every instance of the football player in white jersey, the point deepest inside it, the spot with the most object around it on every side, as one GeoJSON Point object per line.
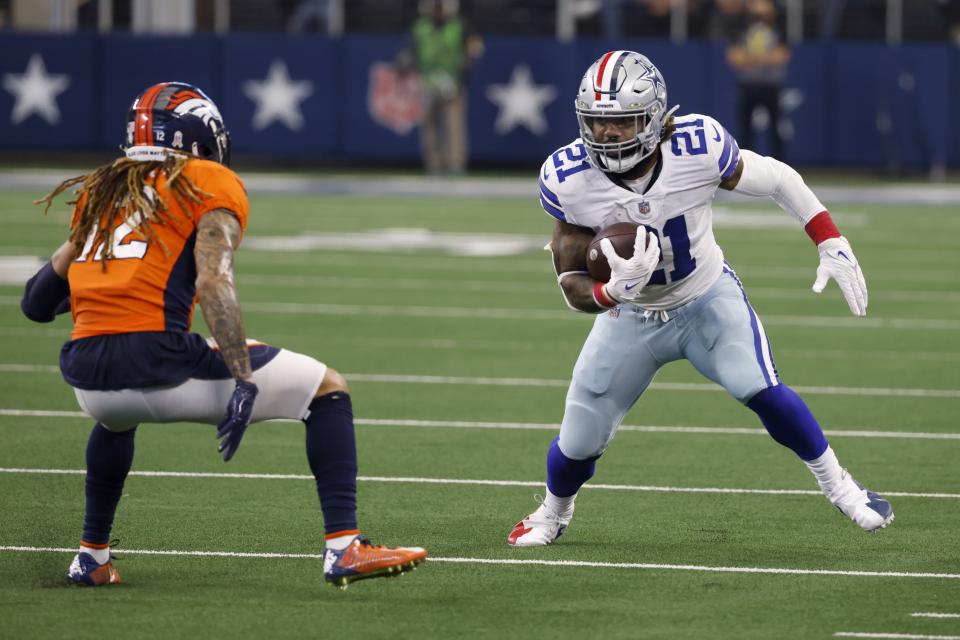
{"type": "Point", "coordinates": [676, 298]}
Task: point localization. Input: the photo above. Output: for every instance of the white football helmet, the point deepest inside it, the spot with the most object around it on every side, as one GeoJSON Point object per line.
{"type": "Point", "coordinates": [622, 84]}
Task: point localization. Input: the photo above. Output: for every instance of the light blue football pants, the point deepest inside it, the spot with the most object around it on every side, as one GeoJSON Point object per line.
{"type": "Point", "coordinates": [719, 334]}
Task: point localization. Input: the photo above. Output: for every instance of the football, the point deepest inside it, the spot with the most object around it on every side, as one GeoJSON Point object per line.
{"type": "Point", "coordinates": [622, 236]}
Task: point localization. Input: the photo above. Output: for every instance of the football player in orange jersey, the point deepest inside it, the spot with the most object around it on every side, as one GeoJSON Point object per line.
{"type": "Point", "coordinates": [152, 233]}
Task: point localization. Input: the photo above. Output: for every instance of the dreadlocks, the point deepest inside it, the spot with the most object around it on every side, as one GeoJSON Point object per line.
{"type": "Point", "coordinates": [113, 192]}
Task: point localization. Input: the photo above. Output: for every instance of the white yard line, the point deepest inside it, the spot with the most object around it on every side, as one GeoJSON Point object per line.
{"type": "Point", "coordinates": [490, 313]}
{"type": "Point", "coordinates": [537, 265]}
{"type": "Point", "coordinates": [548, 426]}
{"type": "Point", "coordinates": [516, 561]}
{"type": "Point", "coordinates": [560, 383]}
{"type": "Point", "coordinates": [468, 482]}
{"type": "Point", "coordinates": [411, 311]}
{"type": "Point", "coordinates": [841, 322]}
{"type": "Point", "coordinates": [892, 636]}
{"type": "Point", "coordinates": [934, 615]}
{"type": "Point", "coordinates": [544, 288]}
{"type": "Point", "coordinates": [41, 413]}
{"type": "Point", "coordinates": [849, 354]}
{"type": "Point", "coordinates": [664, 386]}
{"type": "Point", "coordinates": [424, 284]}
{"type": "Point", "coordinates": [392, 186]}
{"type": "Point", "coordinates": [28, 368]}
{"type": "Point", "coordinates": [802, 293]}
{"type": "Point", "coordinates": [533, 345]}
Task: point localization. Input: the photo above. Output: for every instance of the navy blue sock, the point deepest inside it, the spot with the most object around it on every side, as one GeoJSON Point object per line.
{"type": "Point", "coordinates": [565, 476]}
{"type": "Point", "coordinates": [332, 454]}
{"type": "Point", "coordinates": [109, 458]}
{"type": "Point", "coordinates": [789, 421]}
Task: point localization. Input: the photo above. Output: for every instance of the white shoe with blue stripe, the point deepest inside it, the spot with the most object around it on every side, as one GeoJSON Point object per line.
{"type": "Point", "coordinates": [869, 510]}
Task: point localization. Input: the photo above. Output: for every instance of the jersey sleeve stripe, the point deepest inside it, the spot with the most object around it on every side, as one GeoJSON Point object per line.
{"type": "Point", "coordinates": [727, 148]}
{"type": "Point", "coordinates": [734, 159]}
{"type": "Point", "coordinates": [552, 210]}
{"type": "Point", "coordinates": [730, 155]}
{"type": "Point", "coordinates": [550, 196]}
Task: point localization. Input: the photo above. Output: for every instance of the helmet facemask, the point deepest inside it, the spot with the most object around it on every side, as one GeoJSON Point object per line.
{"type": "Point", "coordinates": [623, 154]}
{"type": "Point", "coordinates": [622, 85]}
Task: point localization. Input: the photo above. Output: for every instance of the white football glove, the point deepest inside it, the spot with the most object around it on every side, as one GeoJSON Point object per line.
{"type": "Point", "coordinates": [838, 262]}
{"type": "Point", "coordinates": [629, 277]}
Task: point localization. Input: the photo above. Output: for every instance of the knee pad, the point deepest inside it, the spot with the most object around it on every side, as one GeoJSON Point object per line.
{"type": "Point", "coordinates": [586, 430]}
{"type": "Point", "coordinates": [742, 376]}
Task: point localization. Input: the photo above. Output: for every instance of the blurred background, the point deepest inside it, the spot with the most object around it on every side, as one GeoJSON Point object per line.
{"type": "Point", "coordinates": [455, 86]}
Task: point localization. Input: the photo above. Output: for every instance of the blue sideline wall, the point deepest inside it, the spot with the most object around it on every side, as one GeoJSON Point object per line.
{"type": "Point", "coordinates": [848, 104]}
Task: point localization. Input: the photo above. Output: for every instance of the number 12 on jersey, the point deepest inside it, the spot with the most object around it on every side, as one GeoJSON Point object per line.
{"type": "Point", "coordinates": [124, 245]}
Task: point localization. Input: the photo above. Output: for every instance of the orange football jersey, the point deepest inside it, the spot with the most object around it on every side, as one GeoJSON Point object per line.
{"type": "Point", "coordinates": [145, 288]}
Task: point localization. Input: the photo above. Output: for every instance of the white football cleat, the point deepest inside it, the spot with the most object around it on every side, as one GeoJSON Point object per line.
{"type": "Point", "coordinates": [540, 528]}
{"type": "Point", "coordinates": [869, 510]}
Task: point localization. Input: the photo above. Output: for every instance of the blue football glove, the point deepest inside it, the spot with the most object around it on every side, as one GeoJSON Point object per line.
{"type": "Point", "coordinates": [234, 423]}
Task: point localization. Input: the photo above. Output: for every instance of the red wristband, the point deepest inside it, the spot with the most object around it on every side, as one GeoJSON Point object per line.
{"type": "Point", "coordinates": [601, 298]}
{"type": "Point", "coordinates": [821, 228]}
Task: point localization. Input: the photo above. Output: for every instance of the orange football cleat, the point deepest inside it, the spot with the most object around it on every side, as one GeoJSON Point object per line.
{"type": "Point", "coordinates": [362, 559]}
{"type": "Point", "coordinates": [84, 570]}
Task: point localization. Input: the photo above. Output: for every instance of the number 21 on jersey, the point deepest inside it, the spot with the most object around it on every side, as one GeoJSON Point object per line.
{"type": "Point", "coordinates": [573, 161]}
{"type": "Point", "coordinates": [683, 263]}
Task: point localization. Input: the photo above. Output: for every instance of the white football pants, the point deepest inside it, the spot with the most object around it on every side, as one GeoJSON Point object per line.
{"type": "Point", "coordinates": [286, 387]}
{"type": "Point", "coordinates": [719, 333]}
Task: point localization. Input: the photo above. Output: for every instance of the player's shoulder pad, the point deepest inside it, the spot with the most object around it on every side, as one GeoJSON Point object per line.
{"type": "Point", "coordinates": [212, 173]}
{"type": "Point", "coordinates": [701, 140]}
{"type": "Point", "coordinates": [722, 147]}
{"type": "Point", "coordinates": [222, 187]}
{"type": "Point", "coordinates": [559, 181]}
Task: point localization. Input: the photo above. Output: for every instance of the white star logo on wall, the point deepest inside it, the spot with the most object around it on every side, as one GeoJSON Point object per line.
{"type": "Point", "coordinates": [521, 102]}
{"type": "Point", "coordinates": [35, 91]}
{"type": "Point", "coordinates": [278, 98]}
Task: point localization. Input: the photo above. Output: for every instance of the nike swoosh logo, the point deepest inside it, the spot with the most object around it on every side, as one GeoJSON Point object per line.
{"type": "Point", "coordinates": [631, 286]}
{"type": "Point", "coordinates": [328, 561]}
{"type": "Point", "coordinates": [844, 256]}
{"type": "Point", "coordinates": [717, 139]}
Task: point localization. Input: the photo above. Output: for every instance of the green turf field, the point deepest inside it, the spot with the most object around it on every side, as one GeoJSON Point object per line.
{"type": "Point", "coordinates": [457, 367]}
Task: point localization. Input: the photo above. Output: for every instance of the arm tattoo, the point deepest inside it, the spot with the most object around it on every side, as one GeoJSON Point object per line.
{"type": "Point", "coordinates": [569, 247]}
{"type": "Point", "coordinates": [218, 235]}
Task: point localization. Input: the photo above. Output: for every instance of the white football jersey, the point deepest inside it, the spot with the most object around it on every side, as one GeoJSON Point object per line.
{"type": "Point", "coordinates": [676, 204]}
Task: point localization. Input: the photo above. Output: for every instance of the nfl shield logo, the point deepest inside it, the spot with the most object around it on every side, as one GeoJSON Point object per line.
{"type": "Point", "coordinates": [644, 208]}
{"type": "Point", "coordinates": [394, 98]}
